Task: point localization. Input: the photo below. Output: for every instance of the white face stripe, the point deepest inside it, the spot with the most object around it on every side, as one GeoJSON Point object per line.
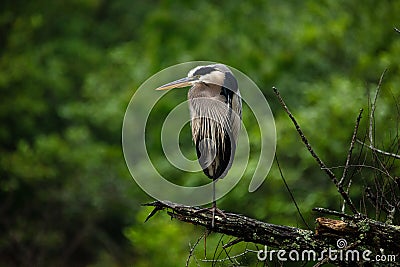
{"type": "Point", "coordinates": [190, 74]}
{"type": "Point", "coordinates": [217, 67]}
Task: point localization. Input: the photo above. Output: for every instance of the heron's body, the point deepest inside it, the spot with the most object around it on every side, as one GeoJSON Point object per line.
{"type": "Point", "coordinates": [215, 121]}
{"type": "Point", "coordinates": [215, 110]}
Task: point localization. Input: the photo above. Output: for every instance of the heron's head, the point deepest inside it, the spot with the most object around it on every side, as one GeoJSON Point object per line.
{"type": "Point", "coordinates": [217, 74]}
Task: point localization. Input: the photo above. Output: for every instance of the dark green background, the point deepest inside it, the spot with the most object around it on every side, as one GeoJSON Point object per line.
{"type": "Point", "coordinates": [69, 68]}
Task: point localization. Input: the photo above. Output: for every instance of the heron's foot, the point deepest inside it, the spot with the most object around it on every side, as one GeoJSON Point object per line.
{"type": "Point", "coordinates": [213, 210]}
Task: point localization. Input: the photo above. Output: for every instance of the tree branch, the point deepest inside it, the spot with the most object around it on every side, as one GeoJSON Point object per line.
{"type": "Point", "coordinates": [331, 175]}
{"type": "Point", "coordinates": [372, 235]}
{"type": "Point", "coordinates": [248, 229]}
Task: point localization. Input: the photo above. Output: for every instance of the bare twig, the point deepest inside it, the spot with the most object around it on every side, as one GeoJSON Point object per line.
{"type": "Point", "coordinates": [232, 260]}
{"type": "Point", "coordinates": [229, 258]}
{"type": "Point", "coordinates": [353, 140]}
{"type": "Point", "coordinates": [314, 155]}
{"type": "Point", "coordinates": [303, 138]}
{"type": "Point", "coordinates": [347, 192]}
{"type": "Point", "coordinates": [364, 166]}
{"type": "Point", "coordinates": [193, 247]}
{"type": "Point", "coordinates": [380, 151]}
{"type": "Point", "coordinates": [387, 207]}
{"type": "Point", "coordinates": [334, 212]}
{"type": "Point", "coordinates": [373, 107]}
{"type": "Point", "coordinates": [216, 248]}
{"type": "Point", "coordinates": [234, 242]}
{"type": "Point", "coordinates": [290, 193]}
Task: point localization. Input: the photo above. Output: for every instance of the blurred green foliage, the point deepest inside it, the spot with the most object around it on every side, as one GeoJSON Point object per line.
{"type": "Point", "coordinates": [69, 68]}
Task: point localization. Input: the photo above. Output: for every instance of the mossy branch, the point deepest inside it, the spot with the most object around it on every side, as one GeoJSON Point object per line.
{"type": "Point", "coordinates": [369, 234]}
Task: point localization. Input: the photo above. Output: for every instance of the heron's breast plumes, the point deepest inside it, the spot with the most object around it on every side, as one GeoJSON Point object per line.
{"type": "Point", "coordinates": [214, 128]}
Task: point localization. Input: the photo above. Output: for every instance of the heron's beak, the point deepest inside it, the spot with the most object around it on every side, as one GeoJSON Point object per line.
{"type": "Point", "coordinates": [184, 82]}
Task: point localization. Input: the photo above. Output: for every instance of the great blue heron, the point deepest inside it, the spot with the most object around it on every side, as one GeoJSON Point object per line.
{"type": "Point", "coordinates": [215, 110]}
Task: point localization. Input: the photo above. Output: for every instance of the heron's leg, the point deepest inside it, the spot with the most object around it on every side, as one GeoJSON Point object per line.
{"type": "Point", "coordinates": [213, 208]}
